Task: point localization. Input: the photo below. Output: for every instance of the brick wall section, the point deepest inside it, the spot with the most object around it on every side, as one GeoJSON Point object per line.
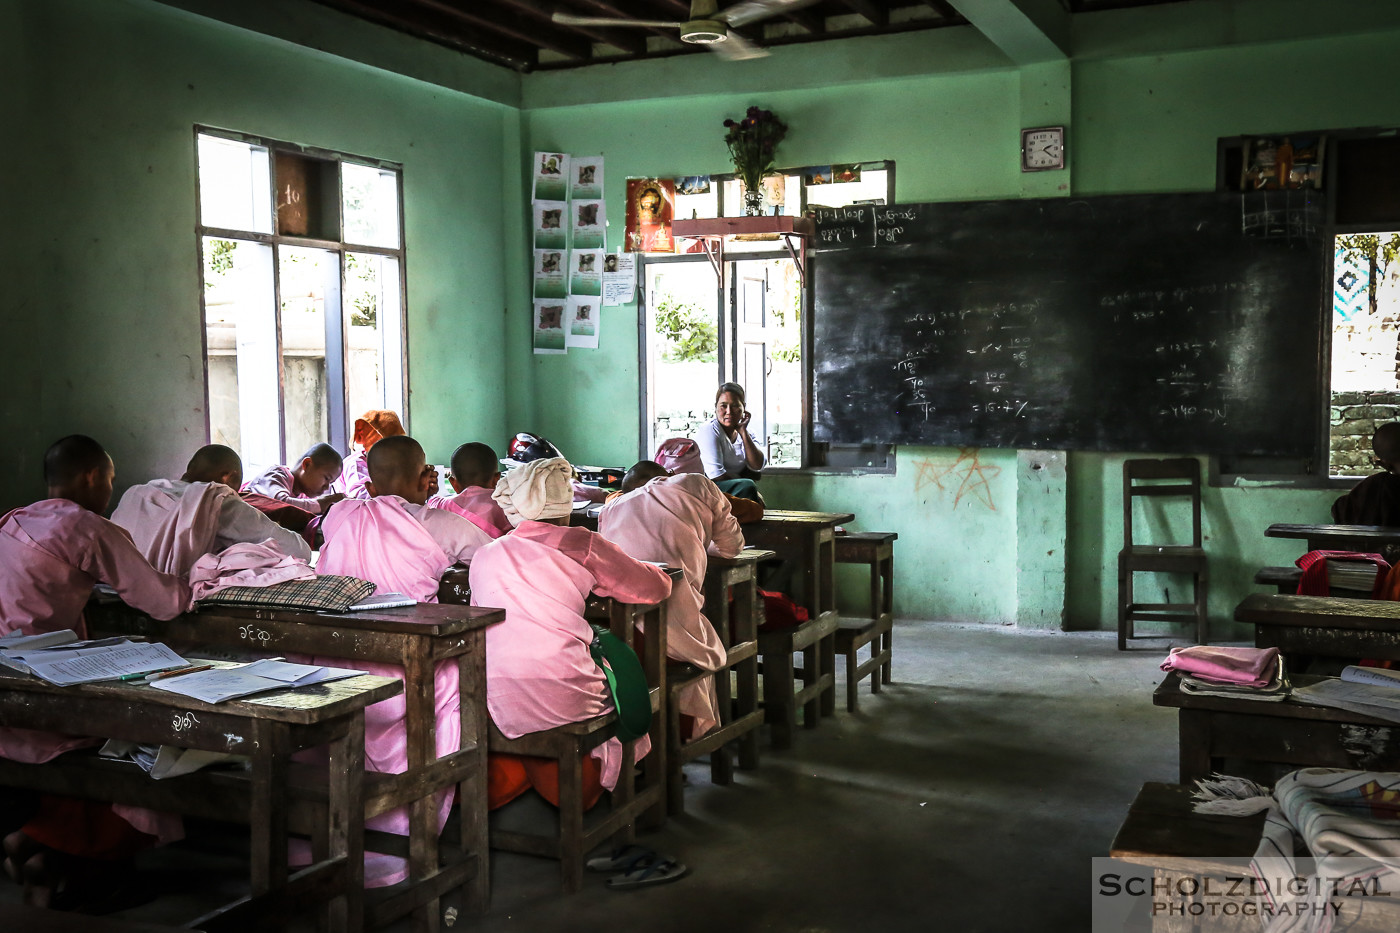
{"type": "Point", "coordinates": [1354, 417]}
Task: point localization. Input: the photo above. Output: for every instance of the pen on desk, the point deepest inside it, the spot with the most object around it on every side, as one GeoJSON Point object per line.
{"type": "Point", "coordinates": [172, 672]}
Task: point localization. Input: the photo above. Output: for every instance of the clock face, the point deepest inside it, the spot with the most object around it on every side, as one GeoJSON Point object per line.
{"type": "Point", "coordinates": [1043, 149]}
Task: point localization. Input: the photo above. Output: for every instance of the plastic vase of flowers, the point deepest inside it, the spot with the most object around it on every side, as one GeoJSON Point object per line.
{"type": "Point", "coordinates": [753, 146]}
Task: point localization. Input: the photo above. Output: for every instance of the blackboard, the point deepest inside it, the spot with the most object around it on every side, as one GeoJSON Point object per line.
{"type": "Point", "coordinates": [1184, 323]}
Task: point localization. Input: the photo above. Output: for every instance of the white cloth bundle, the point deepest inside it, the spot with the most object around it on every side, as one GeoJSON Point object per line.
{"type": "Point", "coordinates": [536, 491]}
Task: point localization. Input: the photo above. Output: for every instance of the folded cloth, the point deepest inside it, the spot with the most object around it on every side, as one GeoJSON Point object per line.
{"type": "Point", "coordinates": [324, 593]}
{"type": "Point", "coordinates": [245, 565]}
{"type": "Point", "coordinates": [1249, 667]}
{"type": "Point", "coordinates": [536, 491]}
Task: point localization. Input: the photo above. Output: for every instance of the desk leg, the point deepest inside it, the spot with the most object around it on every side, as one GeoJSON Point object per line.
{"type": "Point", "coordinates": [268, 834]}
{"type": "Point", "coordinates": [780, 706]}
{"type": "Point", "coordinates": [471, 793]}
{"type": "Point", "coordinates": [421, 719]}
{"type": "Point", "coordinates": [1194, 728]}
{"type": "Point", "coordinates": [345, 831]}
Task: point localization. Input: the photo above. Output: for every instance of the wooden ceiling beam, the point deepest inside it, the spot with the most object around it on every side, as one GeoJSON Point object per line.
{"type": "Point", "coordinates": [629, 40]}
{"type": "Point", "coordinates": [877, 14]}
{"type": "Point", "coordinates": [514, 27]}
{"type": "Point", "coordinates": [945, 9]}
{"type": "Point", "coordinates": [629, 11]}
{"type": "Point", "coordinates": [410, 19]}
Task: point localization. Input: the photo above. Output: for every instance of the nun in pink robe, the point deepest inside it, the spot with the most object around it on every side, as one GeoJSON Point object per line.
{"type": "Point", "coordinates": [675, 520]}
{"type": "Point", "coordinates": [539, 673]}
{"type": "Point", "coordinates": [51, 555]}
{"type": "Point", "coordinates": [404, 548]}
{"type": "Point", "coordinates": [475, 505]}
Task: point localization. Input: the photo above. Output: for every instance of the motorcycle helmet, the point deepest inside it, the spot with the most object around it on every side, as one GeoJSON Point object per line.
{"type": "Point", "coordinates": [526, 447]}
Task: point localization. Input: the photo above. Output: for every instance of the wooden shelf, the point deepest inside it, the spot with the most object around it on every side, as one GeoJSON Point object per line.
{"type": "Point", "coordinates": [734, 226]}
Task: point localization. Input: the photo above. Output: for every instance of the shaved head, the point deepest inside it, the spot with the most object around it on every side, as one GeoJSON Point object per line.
{"type": "Point", "coordinates": [474, 464]}
{"type": "Point", "coordinates": [71, 457]}
{"type": "Point", "coordinates": [398, 467]}
{"type": "Point", "coordinates": [1386, 442]}
{"type": "Point", "coordinates": [215, 463]}
{"type": "Point", "coordinates": [324, 455]}
{"type": "Point", "coordinates": [642, 472]}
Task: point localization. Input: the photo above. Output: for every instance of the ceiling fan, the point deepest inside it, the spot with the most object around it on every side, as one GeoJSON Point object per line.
{"type": "Point", "coordinates": [707, 26]}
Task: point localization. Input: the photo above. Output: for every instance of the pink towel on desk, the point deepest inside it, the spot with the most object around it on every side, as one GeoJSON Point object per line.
{"type": "Point", "coordinates": [1246, 667]}
{"type": "Point", "coordinates": [245, 565]}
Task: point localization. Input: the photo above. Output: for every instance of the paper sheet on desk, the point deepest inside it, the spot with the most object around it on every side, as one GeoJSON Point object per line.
{"type": "Point", "coordinates": [66, 667]}
{"type": "Point", "coordinates": [230, 683]}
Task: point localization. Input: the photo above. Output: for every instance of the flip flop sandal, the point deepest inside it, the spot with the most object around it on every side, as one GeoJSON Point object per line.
{"type": "Point", "coordinates": [622, 858]}
{"type": "Point", "coordinates": [660, 869]}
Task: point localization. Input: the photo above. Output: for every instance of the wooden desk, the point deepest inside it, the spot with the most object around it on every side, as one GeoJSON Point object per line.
{"type": "Point", "coordinates": [268, 728]}
{"type": "Point", "coordinates": [1290, 733]}
{"type": "Point", "coordinates": [808, 539]}
{"type": "Point", "coordinates": [416, 638]}
{"type": "Point", "coordinates": [1324, 626]}
{"type": "Point", "coordinates": [1365, 538]}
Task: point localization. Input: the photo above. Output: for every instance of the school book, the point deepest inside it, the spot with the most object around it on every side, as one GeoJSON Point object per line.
{"type": "Point", "coordinates": [383, 601]}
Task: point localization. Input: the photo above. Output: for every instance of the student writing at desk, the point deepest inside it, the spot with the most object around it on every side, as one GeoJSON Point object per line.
{"type": "Point", "coordinates": [1376, 499]}
{"type": "Point", "coordinates": [51, 554]}
{"type": "Point", "coordinates": [475, 473]}
{"type": "Point", "coordinates": [539, 672]}
{"type": "Point", "coordinates": [396, 542]}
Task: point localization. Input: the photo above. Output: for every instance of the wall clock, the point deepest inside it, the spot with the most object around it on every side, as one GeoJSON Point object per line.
{"type": "Point", "coordinates": [1042, 148]}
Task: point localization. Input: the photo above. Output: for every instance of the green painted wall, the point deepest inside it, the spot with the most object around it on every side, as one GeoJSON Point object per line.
{"type": "Point", "coordinates": [1138, 123]}
{"type": "Point", "coordinates": [101, 264]}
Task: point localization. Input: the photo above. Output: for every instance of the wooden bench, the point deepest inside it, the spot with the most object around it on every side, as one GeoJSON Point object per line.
{"type": "Point", "coordinates": [568, 744]}
{"type": "Point", "coordinates": [1268, 738]}
{"type": "Point", "coordinates": [268, 728]}
{"type": "Point", "coordinates": [808, 540]}
{"type": "Point", "coordinates": [416, 638]}
{"type": "Point", "coordinates": [1368, 539]}
{"type": "Point", "coordinates": [736, 622]}
{"type": "Point", "coordinates": [1182, 848]}
{"type": "Point", "coordinates": [1286, 580]}
{"type": "Point", "coordinates": [1323, 626]}
{"type": "Point", "coordinates": [875, 549]}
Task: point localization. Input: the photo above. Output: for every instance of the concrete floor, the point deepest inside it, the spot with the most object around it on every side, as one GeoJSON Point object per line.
{"type": "Point", "coordinates": [969, 796]}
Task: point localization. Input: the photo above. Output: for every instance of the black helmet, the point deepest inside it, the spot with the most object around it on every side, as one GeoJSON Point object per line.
{"type": "Point", "coordinates": [526, 447]}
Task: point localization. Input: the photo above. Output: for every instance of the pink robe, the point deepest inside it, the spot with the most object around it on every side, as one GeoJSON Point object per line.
{"type": "Point", "coordinates": [539, 673]}
{"type": "Point", "coordinates": [278, 483]}
{"type": "Point", "coordinates": [354, 476]}
{"type": "Point", "coordinates": [51, 555]}
{"type": "Point", "coordinates": [175, 523]}
{"type": "Point", "coordinates": [403, 548]}
{"type": "Point", "coordinates": [675, 519]}
{"type": "Point", "coordinates": [475, 505]}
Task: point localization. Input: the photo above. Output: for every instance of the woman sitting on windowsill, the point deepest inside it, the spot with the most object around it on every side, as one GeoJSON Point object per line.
{"type": "Point", "coordinates": [729, 453]}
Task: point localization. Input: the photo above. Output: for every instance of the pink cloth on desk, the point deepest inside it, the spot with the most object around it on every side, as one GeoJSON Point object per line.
{"type": "Point", "coordinates": [403, 548]}
{"type": "Point", "coordinates": [1247, 667]}
{"type": "Point", "coordinates": [677, 520]}
{"type": "Point", "coordinates": [171, 522]}
{"type": "Point", "coordinates": [245, 565]}
{"type": "Point", "coordinates": [539, 673]}
{"type": "Point", "coordinates": [475, 505]}
{"type": "Point", "coordinates": [51, 554]}
{"type": "Point", "coordinates": [583, 492]}
{"type": "Point", "coordinates": [277, 482]}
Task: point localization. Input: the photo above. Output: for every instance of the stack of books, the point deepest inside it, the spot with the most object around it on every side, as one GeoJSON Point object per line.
{"type": "Point", "coordinates": [1275, 690]}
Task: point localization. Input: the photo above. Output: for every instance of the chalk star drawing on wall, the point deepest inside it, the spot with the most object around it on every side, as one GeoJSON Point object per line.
{"type": "Point", "coordinates": [965, 476]}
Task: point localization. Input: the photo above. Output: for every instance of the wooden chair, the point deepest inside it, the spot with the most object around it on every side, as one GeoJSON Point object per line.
{"type": "Point", "coordinates": [876, 550]}
{"type": "Point", "coordinates": [568, 744]}
{"type": "Point", "coordinates": [1141, 478]}
{"type": "Point", "coordinates": [736, 623]}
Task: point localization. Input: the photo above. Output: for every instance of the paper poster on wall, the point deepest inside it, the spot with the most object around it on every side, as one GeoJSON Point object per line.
{"type": "Point", "coordinates": [650, 205]}
{"type": "Point", "coordinates": [550, 229]}
{"type": "Point", "coordinates": [587, 175]}
{"type": "Point", "coordinates": [589, 220]}
{"type": "Point", "coordinates": [584, 319]}
{"type": "Point", "coordinates": [549, 325]}
{"type": "Point", "coordinates": [550, 273]}
{"type": "Point", "coordinates": [693, 184]}
{"type": "Point", "coordinates": [586, 277]}
{"type": "Point", "coordinates": [619, 278]}
{"type": "Point", "coordinates": [551, 173]}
